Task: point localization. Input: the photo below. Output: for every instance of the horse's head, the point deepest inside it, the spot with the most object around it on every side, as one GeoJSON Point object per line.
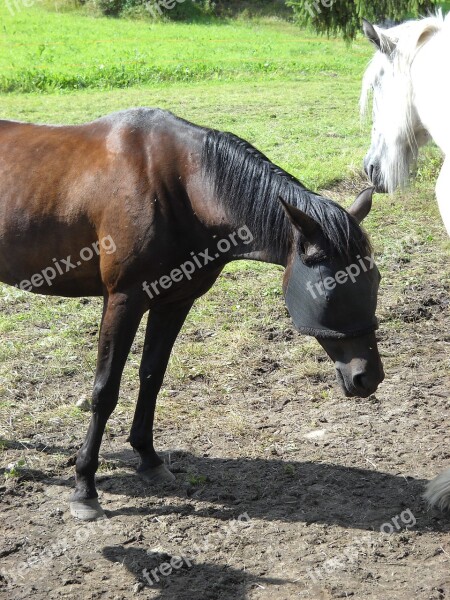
{"type": "Point", "coordinates": [397, 130]}
{"type": "Point", "coordinates": [334, 298]}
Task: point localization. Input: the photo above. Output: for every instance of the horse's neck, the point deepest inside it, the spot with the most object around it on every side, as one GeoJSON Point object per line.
{"type": "Point", "coordinates": [431, 88]}
{"type": "Point", "coordinates": [272, 249]}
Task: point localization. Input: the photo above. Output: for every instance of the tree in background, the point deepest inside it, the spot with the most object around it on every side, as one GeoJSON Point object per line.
{"type": "Point", "coordinates": [345, 16]}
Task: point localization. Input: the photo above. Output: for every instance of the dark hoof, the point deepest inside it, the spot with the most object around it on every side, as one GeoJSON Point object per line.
{"type": "Point", "coordinates": [86, 510]}
{"type": "Point", "coordinates": [155, 475]}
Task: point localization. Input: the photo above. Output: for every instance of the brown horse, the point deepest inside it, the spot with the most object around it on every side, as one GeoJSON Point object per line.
{"type": "Point", "coordinates": [145, 209]}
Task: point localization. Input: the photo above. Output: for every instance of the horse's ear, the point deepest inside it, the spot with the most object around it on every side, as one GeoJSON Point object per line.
{"type": "Point", "coordinates": [371, 33]}
{"type": "Point", "coordinates": [374, 34]}
{"type": "Point", "coordinates": [362, 205]}
{"type": "Point", "coordinates": [300, 220]}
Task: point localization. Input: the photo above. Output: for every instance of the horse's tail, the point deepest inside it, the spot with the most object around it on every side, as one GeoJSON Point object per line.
{"type": "Point", "coordinates": [437, 492]}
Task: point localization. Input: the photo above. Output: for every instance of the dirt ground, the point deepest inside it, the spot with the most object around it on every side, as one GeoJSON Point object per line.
{"type": "Point", "coordinates": [284, 488]}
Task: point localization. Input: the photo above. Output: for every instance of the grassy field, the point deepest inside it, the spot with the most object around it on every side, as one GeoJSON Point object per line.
{"type": "Point", "coordinates": [295, 97]}
{"type": "Point", "coordinates": [46, 50]}
{"type": "Point", "coordinates": [304, 117]}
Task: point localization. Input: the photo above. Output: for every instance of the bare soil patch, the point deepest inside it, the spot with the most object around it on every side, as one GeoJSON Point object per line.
{"type": "Point", "coordinates": [331, 487]}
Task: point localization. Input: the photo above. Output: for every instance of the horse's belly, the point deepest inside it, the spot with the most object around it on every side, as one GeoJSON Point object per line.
{"type": "Point", "coordinates": [51, 259]}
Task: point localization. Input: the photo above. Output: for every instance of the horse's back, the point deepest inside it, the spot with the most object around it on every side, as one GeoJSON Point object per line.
{"type": "Point", "coordinates": [64, 188]}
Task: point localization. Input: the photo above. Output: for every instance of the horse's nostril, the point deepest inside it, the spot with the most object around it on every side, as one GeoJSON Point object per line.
{"type": "Point", "coordinates": [358, 381]}
{"type": "Point", "coordinates": [370, 169]}
{"type": "Point", "coordinates": [366, 383]}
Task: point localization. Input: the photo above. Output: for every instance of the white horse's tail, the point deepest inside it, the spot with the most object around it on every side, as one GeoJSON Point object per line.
{"type": "Point", "coordinates": [438, 491]}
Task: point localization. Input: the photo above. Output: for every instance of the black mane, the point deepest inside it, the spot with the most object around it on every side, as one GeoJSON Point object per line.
{"type": "Point", "coordinates": [248, 185]}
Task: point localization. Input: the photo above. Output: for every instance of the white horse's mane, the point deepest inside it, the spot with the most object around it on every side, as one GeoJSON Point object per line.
{"type": "Point", "coordinates": [399, 46]}
{"type": "Point", "coordinates": [409, 37]}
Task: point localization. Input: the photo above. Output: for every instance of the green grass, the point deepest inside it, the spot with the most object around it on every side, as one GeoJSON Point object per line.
{"type": "Point", "coordinates": [299, 124]}
{"type": "Point", "coordinates": [301, 110]}
{"type": "Point", "coordinates": [44, 51]}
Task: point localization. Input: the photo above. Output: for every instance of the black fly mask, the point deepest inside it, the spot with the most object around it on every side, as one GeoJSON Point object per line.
{"type": "Point", "coordinates": [333, 299]}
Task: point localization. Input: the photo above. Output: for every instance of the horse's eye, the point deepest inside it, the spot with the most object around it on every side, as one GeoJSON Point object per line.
{"type": "Point", "coordinates": [313, 258]}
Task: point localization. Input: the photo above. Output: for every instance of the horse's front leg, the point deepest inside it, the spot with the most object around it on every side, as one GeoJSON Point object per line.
{"type": "Point", "coordinates": [162, 331]}
{"type": "Point", "coordinates": [438, 490]}
{"type": "Point", "coordinates": [443, 193]}
{"type": "Point", "coordinates": [121, 317]}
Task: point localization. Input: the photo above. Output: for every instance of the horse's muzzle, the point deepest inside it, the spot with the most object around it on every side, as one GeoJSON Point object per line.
{"type": "Point", "coordinates": [361, 384]}
{"type": "Point", "coordinates": [374, 175]}
{"type": "Point", "coordinates": [359, 369]}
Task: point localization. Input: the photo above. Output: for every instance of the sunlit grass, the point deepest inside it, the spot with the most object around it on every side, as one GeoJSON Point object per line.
{"type": "Point", "coordinates": [45, 50]}
{"type": "Point", "coordinates": [304, 115]}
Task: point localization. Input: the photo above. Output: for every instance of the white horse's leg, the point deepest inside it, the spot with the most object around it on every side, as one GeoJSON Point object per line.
{"type": "Point", "coordinates": [443, 193]}
{"type": "Point", "coordinates": [437, 492]}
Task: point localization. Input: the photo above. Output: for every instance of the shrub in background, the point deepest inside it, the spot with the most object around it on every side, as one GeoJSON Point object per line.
{"type": "Point", "coordinates": [344, 16]}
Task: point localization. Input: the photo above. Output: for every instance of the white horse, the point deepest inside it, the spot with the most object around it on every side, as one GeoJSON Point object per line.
{"type": "Point", "coordinates": [410, 80]}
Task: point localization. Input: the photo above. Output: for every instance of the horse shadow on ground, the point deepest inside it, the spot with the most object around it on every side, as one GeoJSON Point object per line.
{"type": "Point", "coordinates": [38, 447]}
{"type": "Point", "coordinates": [267, 489]}
{"type": "Point", "coordinates": [192, 580]}
{"type": "Point", "coordinates": [277, 490]}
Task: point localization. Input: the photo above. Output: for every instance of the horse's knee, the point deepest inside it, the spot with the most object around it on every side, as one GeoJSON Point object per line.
{"type": "Point", "coordinates": [151, 377]}
{"type": "Point", "coordinates": [104, 399]}
{"type": "Point", "coordinates": [145, 375]}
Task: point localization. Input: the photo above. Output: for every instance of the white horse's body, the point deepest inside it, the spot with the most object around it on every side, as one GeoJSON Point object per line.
{"type": "Point", "coordinates": [410, 80]}
{"type": "Point", "coordinates": [430, 75]}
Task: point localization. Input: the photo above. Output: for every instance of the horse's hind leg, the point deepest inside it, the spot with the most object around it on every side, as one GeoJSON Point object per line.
{"type": "Point", "coordinates": [121, 316]}
{"type": "Point", "coordinates": [443, 193]}
{"type": "Point", "coordinates": [162, 331]}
